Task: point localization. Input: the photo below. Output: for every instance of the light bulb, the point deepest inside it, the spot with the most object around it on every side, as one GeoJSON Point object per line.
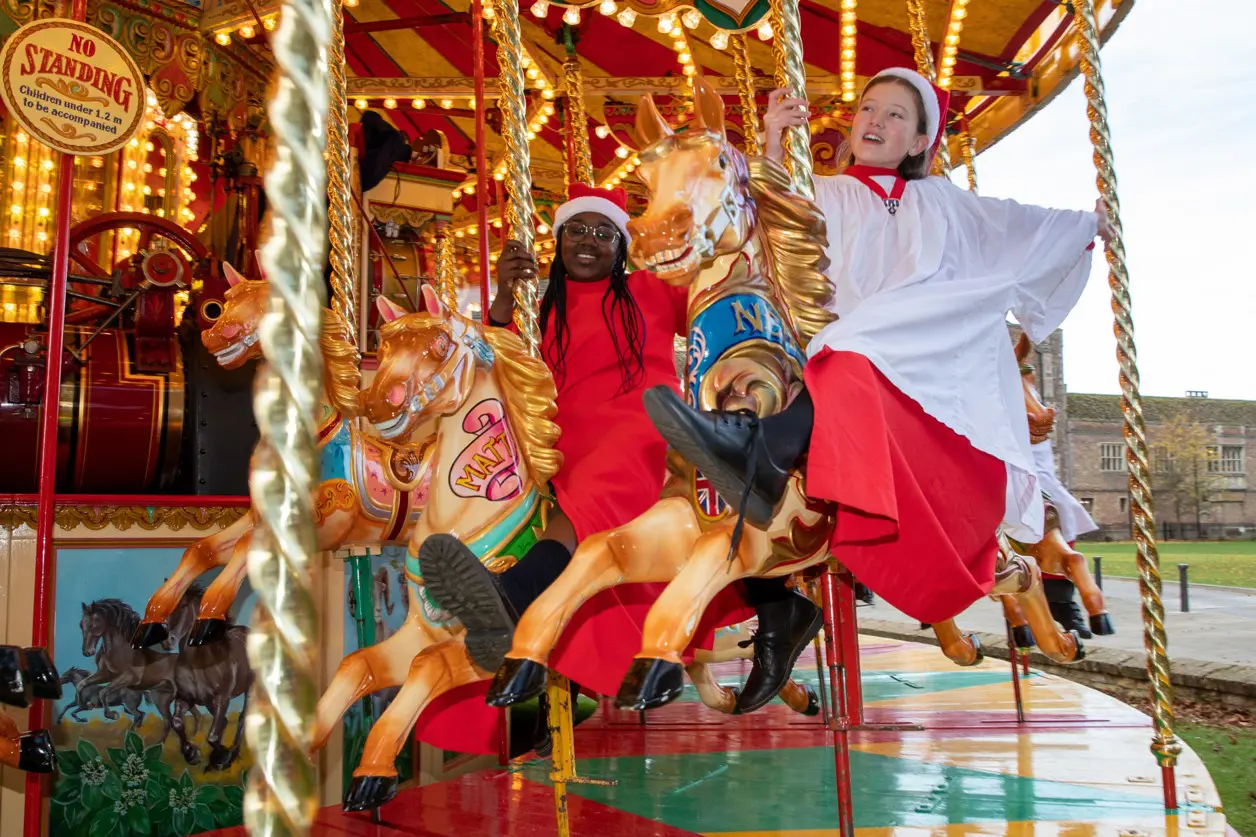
{"type": "Point", "coordinates": [602, 131]}
{"type": "Point", "coordinates": [223, 38]}
{"type": "Point", "coordinates": [540, 8]}
{"type": "Point", "coordinates": [571, 17]}
{"type": "Point", "coordinates": [418, 104]}
{"type": "Point", "coordinates": [608, 7]}
{"type": "Point", "coordinates": [691, 18]}
{"type": "Point", "coordinates": [720, 40]}
{"type": "Point", "coordinates": [765, 30]}
{"type": "Point", "coordinates": [360, 104]}
{"type": "Point", "coordinates": [667, 22]}
{"type": "Point", "coordinates": [390, 103]}
{"type": "Point", "coordinates": [247, 32]}
{"type": "Point", "coordinates": [627, 17]}
{"type": "Point", "coordinates": [621, 152]}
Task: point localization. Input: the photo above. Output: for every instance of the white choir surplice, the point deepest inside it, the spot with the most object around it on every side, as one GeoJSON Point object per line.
{"type": "Point", "coordinates": [1074, 519]}
{"type": "Point", "coordinates": [923, 292]}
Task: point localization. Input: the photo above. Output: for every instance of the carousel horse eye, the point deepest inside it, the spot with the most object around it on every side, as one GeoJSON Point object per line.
{"type": "Point", "coordinates": [397, 395]}
{"type": "Point", "coordinates": [723, 162]}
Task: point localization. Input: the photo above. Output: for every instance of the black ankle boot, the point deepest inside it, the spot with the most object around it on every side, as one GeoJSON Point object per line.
{"type": "Point", "coordinates": [1062, 603]}
{"type": "Point", "coordinates": [14, 687]}
{"type": "Point", "coordinates": [748, 460]}
{"type": "Point", "coordinates": [785, 628]}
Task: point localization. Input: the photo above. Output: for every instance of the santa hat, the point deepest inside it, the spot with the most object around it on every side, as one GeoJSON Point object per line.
{"type": "Point", "coordinates": [613, 203]}
{"type": "Point", "coordinates": [935, 100]}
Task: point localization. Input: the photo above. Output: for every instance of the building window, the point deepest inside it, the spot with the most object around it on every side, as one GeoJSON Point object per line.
{"type": "Point", "coordinates": [1112, 457]}
{"type": "Point", "coordinates": [1225, 459]}
{"type": "Point", "coordinates": [1088, 503]}
{"type": "Point", "coordinates": [1161, 460]}
{"type": "Point", "coordinates": [1124, 504]}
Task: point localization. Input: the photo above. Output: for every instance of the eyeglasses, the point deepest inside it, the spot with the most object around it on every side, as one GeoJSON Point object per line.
{"type": "Point", "coordinates": [578, 231]}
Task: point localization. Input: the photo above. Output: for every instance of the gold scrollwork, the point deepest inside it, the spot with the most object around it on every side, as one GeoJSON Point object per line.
{"type": "Point", "coordinates": [71, 90]}
{"type": "Point", "coordinates": [148, 518]}
{"type": "Point", "coordinates": [333, 496]}
{"type": "Point", "coordinates": [68, 130]}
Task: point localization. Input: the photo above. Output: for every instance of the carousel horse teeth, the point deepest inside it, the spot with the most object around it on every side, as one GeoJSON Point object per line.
{"type": "Point", "coordinates": [1023, 637]}
{"type": "Point", "coordinates": [207, 631]}
{"type": "Point", "coordinates": [13, 684]}
{"type": "Point", "coordinates": [367, 792]}
{"type": "Point", "coordinates": [36, 753]}
{"type": "Point", "coordinates": [650, 684]}
{"type": "Point", "coordinates": [41, 675]}
{"type": "Point", "coordinates": [1101, 625]}
{"type": "Point", "coordinates": [517, 681]}
{"type": "Point", "coordinates": [149, 634]}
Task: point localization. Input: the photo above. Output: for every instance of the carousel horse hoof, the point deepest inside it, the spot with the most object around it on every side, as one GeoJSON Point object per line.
{"type": "Point", "coordinates": [1081, 649]}
{"type": "Point", "coordinates": [1022, 637]}
{"type": "Point", "coordinates": [813, 702]}
{"type": "Point", "coordinates": [35, 752]}
{"type": "Point", "coordinates": [367, 792]}
{"type": "Point", "coordinates": [220, 758]}
{"type": "Point", "coordinates": [517, 681]}
{"type": "Point", "coordinates": [149, 634]}
{"type": "Point", "coordinates": [1101, 625]}
{"type": "Point", "coordinates": [650, 684]}
{"type": "Point", "coordinates": [13, 684]}
{"type": "Point", "coordinates": [979, 654]}
{"type": "Point", "coordinates": [207, 632]}
{"type": "Point", "coordinates": [41, 675]}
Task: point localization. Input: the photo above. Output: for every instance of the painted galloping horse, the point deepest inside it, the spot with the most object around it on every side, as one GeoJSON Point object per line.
{"type": "Point", "coordinates": [372, 489]}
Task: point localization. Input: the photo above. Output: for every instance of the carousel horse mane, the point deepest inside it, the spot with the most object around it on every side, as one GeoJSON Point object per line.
{"type": "Point", "coordinates": [528, 388]}
{"type": "Point", "coordinates": [341, 377]}
{"type": "Point", "coordinates": [797, 244]}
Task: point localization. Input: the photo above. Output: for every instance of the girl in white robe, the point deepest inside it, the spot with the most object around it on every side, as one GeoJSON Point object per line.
{"type": "Point", "coordinates": [913, 422]}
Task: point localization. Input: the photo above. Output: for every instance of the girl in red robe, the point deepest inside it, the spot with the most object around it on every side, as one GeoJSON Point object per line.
{"type": "Point", "coordinates": [607, 336]}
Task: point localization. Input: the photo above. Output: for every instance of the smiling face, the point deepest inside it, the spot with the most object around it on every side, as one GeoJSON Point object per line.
{"type": "Point", "coordinates": [889, 126]}
{"type": "Point", "coordinates": [590, 241]}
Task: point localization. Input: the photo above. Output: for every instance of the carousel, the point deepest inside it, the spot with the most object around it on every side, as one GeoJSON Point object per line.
{"type": "Point", "coordinates": [235, 232]}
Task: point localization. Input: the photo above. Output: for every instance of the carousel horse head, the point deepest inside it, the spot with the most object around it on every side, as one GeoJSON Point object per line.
{"type": "Point", "coordinates": [427, 363]}
{"type": "Point", "coordinates": [699, 203]}
{"type": "Point", "coordinates": [232, 339]}
{"type": "Point", "coordinates": [1041, 417]}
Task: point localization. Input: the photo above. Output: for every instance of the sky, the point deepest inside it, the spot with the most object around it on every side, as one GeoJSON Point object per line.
{"type": "Point", "coordinates": [1181, 97]}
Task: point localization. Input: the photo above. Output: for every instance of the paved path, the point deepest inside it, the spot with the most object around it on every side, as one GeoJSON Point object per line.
{"type": "Point", "coordinates": [1221, 626]}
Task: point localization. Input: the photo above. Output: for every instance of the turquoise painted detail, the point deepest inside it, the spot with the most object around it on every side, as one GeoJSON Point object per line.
{"type": "Point", "coordinates": [793, 789]}
{"type": "Point", "coordinates": [335, 460]}
{"type": "Point", "coordinates": [513, 522]}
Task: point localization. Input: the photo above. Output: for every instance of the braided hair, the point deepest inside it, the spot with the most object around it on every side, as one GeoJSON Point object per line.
{"type": "Point", "coordinates": [617, 304]}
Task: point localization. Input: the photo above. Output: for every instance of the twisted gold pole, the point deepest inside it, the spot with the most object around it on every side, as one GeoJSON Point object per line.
{"type": "Point", "coordinates": [446, 270]}
{"type": "Point", "coordinates": [968, 145]}
{"type": "Point", "coordinates": [745, 87]}
{"type": "Point", "coordinates": [791, 74]}
{"type": "Point", "coordinates": [281, 799]}
{"type": "Point", "coordinates": [919, 24]}
{"type": "Point", "coordinates": [344, 284]}
{"type": "Point", "coordinates": [519, 207]}
{"type": "Point", "coordinates": [1164, 744]}
{"type": "Point", "coordinates": [578, 120]}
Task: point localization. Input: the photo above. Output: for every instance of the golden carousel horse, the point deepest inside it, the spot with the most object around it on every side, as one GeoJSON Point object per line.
{"type": "Point", "coordinates": [753, 254]}
{"type": "Point", "coordinates": [26, 674]}
{"type": "Point", "coordinates": [489, 407]}
{"type": "Point", "coordinates": [372, 489]}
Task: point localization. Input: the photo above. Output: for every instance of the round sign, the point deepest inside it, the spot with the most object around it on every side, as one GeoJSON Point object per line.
{"type": "Point", "coordinates": [71, 86]}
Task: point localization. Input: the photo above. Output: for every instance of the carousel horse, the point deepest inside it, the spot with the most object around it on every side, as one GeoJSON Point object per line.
{"type": "Point", "coordinates": [490, 407]}
{"type": "Point", "coordinates": [372, 489]}
{"type": "Point", "coordinates": [753, 254]}
{"type": "Point", "coordinates": [26, 674]}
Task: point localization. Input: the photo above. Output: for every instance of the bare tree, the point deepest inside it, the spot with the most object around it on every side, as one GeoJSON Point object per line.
{"type": "Point", "coordinates": [1184, 456]}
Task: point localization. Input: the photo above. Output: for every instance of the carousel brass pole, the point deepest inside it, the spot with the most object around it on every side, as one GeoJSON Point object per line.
{"type": "Point", "coordinates": [519, 207]}
{"type": "Point", "coordinates": [344, 284]}
{"type": "Point", "coordinates": [577, 118]}
{"type": "Point", "coordinates": [791, 74]}
{"type": "Point", "coordinates": [281, 799]}
{"type": "Point", "coordinates": [925, 66]}
{"type": "Point", "coordinates": [1164, 744]}
{"type": "Point", "coordinates": [745, 87]}
{"type": "Point", "coordinates": [968, 145]}
{"type": "Point", "coordinates": [446, 270]}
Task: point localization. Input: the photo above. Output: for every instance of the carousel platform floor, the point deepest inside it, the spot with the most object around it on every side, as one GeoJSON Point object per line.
{"type": "Point", "coordinates": [1079, 766]}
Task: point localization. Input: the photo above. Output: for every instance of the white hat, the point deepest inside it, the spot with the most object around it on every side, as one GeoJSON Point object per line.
{"type": "Point", "coordinates": [935, 99]}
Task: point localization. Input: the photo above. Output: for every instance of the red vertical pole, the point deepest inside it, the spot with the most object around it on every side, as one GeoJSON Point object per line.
{"type": "Point", "coordinates": [849, 637]}
{"type": "Point", "coordinates": [34, 804]}
{"type": "Point", "coordinates": [836, 655]}
{"type": "Point", "coordinates": [481, 154]}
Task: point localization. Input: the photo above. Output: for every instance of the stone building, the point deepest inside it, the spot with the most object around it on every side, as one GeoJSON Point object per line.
{"type": "Point", "coordinates": [1090, 454]}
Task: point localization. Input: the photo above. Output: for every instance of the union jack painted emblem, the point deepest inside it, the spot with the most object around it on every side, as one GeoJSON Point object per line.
{"type": "Point", "coordinates": [710, 503]}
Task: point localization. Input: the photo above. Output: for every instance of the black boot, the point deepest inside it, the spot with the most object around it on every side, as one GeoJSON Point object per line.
{"type": "Point", "coordinates": [747, 459]}
{"type": "Point", "coordinates": [786, 624]}
{"type": "Point", "coordinates": [1062, 603]}
{"type": "Point", "coordinates": [460, 584]}
{"type": "Point", "coordinates": [14, 686]}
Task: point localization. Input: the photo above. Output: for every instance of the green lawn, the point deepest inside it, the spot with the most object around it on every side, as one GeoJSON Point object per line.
{"type": "Point", "coordinates": [1231, 563]}
{"type": "Point", "coordinates": [1230, 755]}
